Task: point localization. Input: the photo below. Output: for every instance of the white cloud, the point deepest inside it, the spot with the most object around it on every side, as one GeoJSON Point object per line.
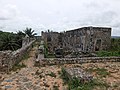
{"type": "Point", "coordinates": [8, 12]}
{"type": "Point", "coordinates": [59, 15]}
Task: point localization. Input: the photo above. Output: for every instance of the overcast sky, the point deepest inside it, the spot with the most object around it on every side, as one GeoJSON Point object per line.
{"type": "Point", "coordinates": [59, 15]}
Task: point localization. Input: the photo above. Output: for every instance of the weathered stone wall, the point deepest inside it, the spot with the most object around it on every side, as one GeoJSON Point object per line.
{"type": "Point", "coordinates": [88, 39]}
{"type": "Point", "coordinates": [8, 58]}
{"type": "Point", "coordinates": [49, 61]}
{"type": "Point", "coordinates": [51, 40]}
{"type": "Point", "coordinates": [85, 39]}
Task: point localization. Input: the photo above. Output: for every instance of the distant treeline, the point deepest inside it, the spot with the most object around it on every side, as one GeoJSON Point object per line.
{"type": "Point", "coordinates": [13, 41]}
{"type": "Point", "coordinates": [10, 41]}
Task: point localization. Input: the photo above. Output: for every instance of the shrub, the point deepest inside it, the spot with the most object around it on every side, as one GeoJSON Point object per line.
{"type": "Point", "coordinates": [108, 53]}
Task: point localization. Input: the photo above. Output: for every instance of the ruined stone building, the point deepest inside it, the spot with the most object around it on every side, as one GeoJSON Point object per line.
{"type": "Point", "coordinates": [85, 39]}
{"type": "Point", "coordinates": [51, 40]}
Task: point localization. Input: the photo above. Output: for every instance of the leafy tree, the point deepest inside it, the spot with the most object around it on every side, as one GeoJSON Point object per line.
{"type": "Point", "coordinates": [30, 32]}
{"type": "Point", "coordinates": [20, 33]}
{"type": "Point", "coordinates": [13, 41]}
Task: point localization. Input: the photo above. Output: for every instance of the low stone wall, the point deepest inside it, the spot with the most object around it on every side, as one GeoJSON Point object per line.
{"type": "Point", "coordinates": [8, 58]}
{"type": "Point", "coordinates": [49, 61]}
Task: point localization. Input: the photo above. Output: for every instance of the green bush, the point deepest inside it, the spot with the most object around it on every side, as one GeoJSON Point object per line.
{"type": "Point", "coordinates": [108, 53]}
{"type": "Point", "coordinates": [64, 76]}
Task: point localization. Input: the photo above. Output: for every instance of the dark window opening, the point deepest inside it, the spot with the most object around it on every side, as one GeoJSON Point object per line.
{"type": "Point", "coordinates": [49, 39]}
{"type": "Point", "coordinates": [98, 45]}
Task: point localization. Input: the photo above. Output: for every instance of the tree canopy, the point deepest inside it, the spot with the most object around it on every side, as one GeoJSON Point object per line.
{"type": "Point", "coordinates": [30, 32]}
{"type": "Point", "coordinates": [13, 41]}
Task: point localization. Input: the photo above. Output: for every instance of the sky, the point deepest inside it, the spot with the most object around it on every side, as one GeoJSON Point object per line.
{"type": "Point", "coordinates": [59, 15]}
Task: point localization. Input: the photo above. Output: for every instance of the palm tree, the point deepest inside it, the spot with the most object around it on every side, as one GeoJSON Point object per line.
{"type": "Point", "coordinates": [30, 32]}
{"type": "Point", "coordinates": [9, 42]}
{"type": "Point", "coordinates": [21, 34]}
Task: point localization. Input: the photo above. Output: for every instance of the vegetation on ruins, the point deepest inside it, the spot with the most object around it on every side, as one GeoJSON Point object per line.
{"type": "Point", "coordinates": [47, 54]}
{"type": "Point", "coordinates": [18, 67]}
{"type": "Point", "coordinates": [115, 44]}
{"type": "Point", "coordinates": [108, 53]}
{"type": "Point", "coordinates": [25, 56]}
{"type": "Point", "coordinates": [76, 84]}
{"type": "Point", "coordinates": [114, 49]}
{"type": "Point", "coordinates": [45, 50]}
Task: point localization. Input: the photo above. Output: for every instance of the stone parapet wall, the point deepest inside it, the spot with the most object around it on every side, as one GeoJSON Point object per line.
{"type": "Point", "coordinates": [49, 61]}
{"type": "Point", "coordinates": [9, 58]}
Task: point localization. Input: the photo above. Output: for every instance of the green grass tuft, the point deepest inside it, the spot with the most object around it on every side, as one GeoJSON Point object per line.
{"type": "Point", "coordinates": [18, 66]}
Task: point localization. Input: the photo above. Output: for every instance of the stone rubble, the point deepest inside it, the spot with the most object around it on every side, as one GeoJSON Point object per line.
{"type": "Point", "coordinates": [79, 73]}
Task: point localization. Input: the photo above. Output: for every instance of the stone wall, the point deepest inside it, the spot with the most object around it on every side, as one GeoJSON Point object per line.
{"type": "Point", "coordinates": [8, 58]}
{"type": "Point", "coordinates": [85, 39]}
{"type": "Point", "coordinates": [88, 39]}
{"type": "Point", "coordinates": [51, 40]}
{"type": "Point", "coordinates": [50, 61]}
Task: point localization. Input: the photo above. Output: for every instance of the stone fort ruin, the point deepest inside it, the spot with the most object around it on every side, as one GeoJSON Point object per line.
{"type": "Point", "coordinates": [85, 39]}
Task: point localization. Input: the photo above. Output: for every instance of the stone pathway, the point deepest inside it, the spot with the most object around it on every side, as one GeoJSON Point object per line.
{"type": "Point", "coordinates": [32, 78]}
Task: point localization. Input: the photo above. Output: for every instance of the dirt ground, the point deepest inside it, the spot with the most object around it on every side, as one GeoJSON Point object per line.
{"type": "Point", "coordinates": [112, 68]}
{"type": "Point", "coordinates": [31, 77]}
{"type": "Point", "coordinates": [48, 77]}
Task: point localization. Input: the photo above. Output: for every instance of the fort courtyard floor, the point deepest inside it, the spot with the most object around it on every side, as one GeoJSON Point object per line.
{"type": "Point", "coordinates": [48, 77]}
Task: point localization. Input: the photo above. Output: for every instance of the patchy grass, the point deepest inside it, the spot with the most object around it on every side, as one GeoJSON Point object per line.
{"type": "Point", "coordinates": [63, 75]}
{"type": "Point", "coordinates": [76, 84]}
{"type": "Point", "coordinates": [18, 66]}
{"type": "Point", "coordinates": [25, 56]}
{"type": "Point", "coordinates": [108, 53]}
{"type": "Point", "coordinates": [102, 72]}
